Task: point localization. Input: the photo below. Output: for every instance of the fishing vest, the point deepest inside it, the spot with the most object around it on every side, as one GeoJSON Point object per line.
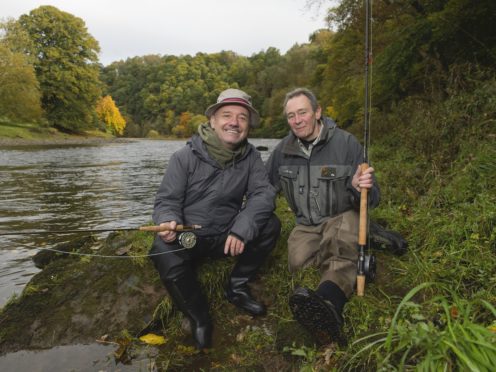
{"type": "Point", "coordinates": [316, 192]}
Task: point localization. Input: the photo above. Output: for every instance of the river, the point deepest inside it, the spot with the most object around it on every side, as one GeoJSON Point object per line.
{"type": "Point", "coordinates": [75, 187]}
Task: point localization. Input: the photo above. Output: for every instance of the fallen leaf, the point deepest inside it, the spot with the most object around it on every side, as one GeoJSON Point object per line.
{"type": "Point", "coordinates": [120, 354]}
{"type": "Point", "coordinates": [153, 339]}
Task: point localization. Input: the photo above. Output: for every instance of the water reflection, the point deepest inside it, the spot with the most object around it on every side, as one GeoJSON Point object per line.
{"type": "Point", "coordinates": [47, 188]}
{"type": "Point", "coordinates": [92, 357]}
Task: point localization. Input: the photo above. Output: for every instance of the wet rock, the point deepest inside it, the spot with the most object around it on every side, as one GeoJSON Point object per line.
{"type": "Point", "coordinates": [77, 300]}
{"type": "Point", "coordinates": [81, 245]}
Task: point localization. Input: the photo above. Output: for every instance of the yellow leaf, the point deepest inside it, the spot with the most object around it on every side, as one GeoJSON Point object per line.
{"type": "Point", "coordinates": [152, 339]}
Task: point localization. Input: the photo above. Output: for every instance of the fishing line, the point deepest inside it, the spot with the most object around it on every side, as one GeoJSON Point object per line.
{"type": "Point", "coordinates": [142, 228]}
{"type": "Point", "coordinates": [64, 231]}
{"type": "Point", "coordinates": [186, 238]}
{"type": "Point", "coordinates": [100, 255]}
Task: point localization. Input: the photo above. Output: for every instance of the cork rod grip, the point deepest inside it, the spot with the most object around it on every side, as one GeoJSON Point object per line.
{"type": "Point", "coordinates": [362, 235]}
{"type": "Point", "coordinates": [164, 227]}
{"type": "Point", "coordinates": [362, 229]}
{"type": "Point", "coordinates": [360, 285]}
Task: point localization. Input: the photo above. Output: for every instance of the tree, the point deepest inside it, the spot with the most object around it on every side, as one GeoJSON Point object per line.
{"type": "Point", "coordinates": [108, 112]}
{"type": "Point", "coordinates": [66, 66]}
{"type": "Point", "coordinates": [182, 128]}
{"type": "Point", "coordinates": [19, 89]}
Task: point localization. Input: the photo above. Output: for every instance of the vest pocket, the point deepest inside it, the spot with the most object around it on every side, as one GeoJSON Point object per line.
{"type": "Point", "coordinates": [289, 186]}
{"type": "Point", "coordinates": [330, 188]}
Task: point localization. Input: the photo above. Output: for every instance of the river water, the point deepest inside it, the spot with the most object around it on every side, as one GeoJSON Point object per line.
{"type": "Point", "coordinates": [75, 187]}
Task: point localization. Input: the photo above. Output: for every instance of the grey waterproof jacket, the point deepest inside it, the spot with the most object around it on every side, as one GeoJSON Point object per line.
{"type": "Point", "coordinates": [319, 186]}
{"type": "Point", "coordinates": [196, 190]}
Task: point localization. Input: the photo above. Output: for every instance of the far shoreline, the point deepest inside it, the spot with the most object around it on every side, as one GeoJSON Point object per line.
{"type": "Point", "coordinates": [11, 142]}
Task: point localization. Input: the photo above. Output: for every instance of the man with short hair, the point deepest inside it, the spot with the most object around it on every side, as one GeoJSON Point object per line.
{"type": "Point", "coordinates": [317, 168]}
{"type": "Point", "coordinates": [217, 181]}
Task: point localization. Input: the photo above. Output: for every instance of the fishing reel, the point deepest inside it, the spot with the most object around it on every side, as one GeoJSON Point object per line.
{"type": "Point", "coordinates": [369, 267]}
{"type": "Point", "coordinates": [187, 239]}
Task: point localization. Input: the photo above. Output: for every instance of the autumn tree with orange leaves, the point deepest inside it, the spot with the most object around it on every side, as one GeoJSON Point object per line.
{"type": "Point", "coordinates": [109, 114]}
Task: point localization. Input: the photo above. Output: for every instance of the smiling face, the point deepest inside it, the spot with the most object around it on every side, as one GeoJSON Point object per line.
{"type": "Point", "coordinates": [231, 125]}
{"type": "Point", "coordinates": [302, 119]}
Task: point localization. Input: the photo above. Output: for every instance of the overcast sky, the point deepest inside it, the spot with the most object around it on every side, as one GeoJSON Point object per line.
{"type": "Point", "coordinates": [128, 28]}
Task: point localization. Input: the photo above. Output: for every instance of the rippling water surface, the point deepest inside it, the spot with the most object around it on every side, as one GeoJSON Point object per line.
{"type": "Point", "coordinates": [72, 187]}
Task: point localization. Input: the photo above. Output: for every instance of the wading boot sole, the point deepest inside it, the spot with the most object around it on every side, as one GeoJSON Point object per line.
{"type": "Point", "coordinates": [317, 316]}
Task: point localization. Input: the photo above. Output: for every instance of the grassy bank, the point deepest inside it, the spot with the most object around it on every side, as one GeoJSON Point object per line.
{"type": "Point", "coordinates": [35, 132]}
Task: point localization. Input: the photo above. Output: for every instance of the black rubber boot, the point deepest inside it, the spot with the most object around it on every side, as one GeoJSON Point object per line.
{"type": "Point", "coordinates": [238, 293]}
{"type": "Point", "coordinates": [186, 294]}
{"type": "Point", "coordinates": [318, 315]}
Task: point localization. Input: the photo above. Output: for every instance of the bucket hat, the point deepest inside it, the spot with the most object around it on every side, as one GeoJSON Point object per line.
{"type": "Point", "coordinates": [235, 97]}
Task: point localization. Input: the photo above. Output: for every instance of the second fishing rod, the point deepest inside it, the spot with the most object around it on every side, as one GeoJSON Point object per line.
{"type": "Point", "coordinates": [366, 266]}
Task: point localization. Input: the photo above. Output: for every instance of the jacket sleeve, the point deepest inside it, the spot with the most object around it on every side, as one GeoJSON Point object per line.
{"type": "Point", "coordinates": [171, 193]}
{"type": "Point", "coordinates": [272, 167]}
{"type": "Point", "coordinates": [259, 205]}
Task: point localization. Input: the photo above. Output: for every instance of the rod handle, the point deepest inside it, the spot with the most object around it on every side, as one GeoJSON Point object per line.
{"type": "Point", "coordinates": [166, 227]}
{"type": "Point", "coordinates": [362, 229]}
{"type": "Point", "coordinates": [360, 285]}
{"type": "Point", "coordinates": [362, 235]}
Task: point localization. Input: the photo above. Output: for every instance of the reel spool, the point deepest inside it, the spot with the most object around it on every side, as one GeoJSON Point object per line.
{"type": "Point", "coordinates": [187, 239]}
{"type": "Point", "coordinates": [370, 267]}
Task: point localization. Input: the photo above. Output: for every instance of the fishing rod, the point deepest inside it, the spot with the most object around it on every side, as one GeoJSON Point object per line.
{"type": "Point", "coordinates": [186, 238]}
{"type": "Point", "coordinates": [366, 263]}
{"type": "Point", "coordinates": [152, 228]}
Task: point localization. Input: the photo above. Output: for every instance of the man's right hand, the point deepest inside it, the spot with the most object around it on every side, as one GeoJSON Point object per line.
{"type": "Point", "coordinates": [168, 236]}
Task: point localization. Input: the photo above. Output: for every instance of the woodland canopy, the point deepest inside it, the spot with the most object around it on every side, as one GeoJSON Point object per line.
{"type": "Point", "coordinates": [418, 47]}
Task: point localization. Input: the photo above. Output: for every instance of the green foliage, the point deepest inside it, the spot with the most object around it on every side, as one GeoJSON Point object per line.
{"type": "Point", "coordinates": [415, 46]}
{"type": "Point", "coordinates": [440, 334]}
{"type": "Point", "coordinates": [157, 92]}
{"type": "Point", "coordinates": [19, 89]}
{"type": "Point", "coordinates": [153, 90]}
{"type": "Point", "coordinates": [308, 354]}
{"type": "Point", "coordinates": [65, 65]}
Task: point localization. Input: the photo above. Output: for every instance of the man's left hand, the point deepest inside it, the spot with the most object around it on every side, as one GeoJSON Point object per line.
{"type": "Point", "coordinates": [234, 246]}
{"type": "Point", "coordinates": [363, 179]}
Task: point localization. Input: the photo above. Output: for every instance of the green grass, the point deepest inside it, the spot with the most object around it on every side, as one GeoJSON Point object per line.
{"type": "Point", "coordinates": [40, 131]}
{"type": "Point", "coordinates": [23, 130]}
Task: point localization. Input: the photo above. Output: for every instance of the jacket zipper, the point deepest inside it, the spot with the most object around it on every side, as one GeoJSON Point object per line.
{"type": "Point", "coordinates": [308, 191]}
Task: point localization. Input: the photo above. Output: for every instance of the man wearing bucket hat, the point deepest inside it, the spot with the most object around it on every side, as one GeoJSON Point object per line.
{"type": "Point", "coordinates": [218, 181]}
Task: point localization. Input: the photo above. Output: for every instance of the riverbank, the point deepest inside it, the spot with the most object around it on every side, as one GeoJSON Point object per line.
{"type": "Point", "coordinates": [32, 134]}
{"type": "Point", "coordinates": [95, 298]}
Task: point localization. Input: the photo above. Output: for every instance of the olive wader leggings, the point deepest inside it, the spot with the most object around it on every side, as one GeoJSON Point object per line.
{"type": "Point", "coordinates": [330, 246]}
